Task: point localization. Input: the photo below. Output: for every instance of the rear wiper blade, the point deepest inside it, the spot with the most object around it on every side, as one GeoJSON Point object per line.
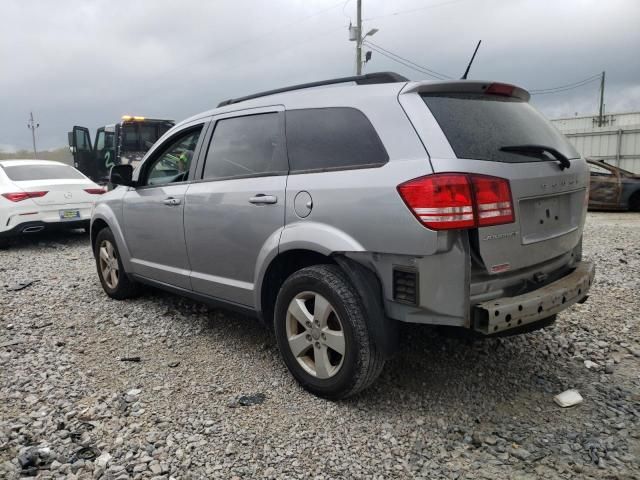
{"type": "Point", "coordinates": [538, 150]}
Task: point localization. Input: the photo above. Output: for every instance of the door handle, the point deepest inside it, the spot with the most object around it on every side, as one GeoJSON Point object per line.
{"type": "Point", "coordinates": [171, 201]}
{"type": "Point", "coordinates": [262, 199]}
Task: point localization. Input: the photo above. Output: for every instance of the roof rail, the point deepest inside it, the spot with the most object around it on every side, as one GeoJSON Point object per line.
{"type": "Point", "coordinates": [367, 79]}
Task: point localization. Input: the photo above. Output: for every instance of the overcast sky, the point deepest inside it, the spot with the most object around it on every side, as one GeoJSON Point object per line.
{"type": "Point", "coordinates": [77, 62]}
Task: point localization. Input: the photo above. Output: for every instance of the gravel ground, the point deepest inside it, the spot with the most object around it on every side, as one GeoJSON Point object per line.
{"type": "Point", "coordinates": [210, 397]}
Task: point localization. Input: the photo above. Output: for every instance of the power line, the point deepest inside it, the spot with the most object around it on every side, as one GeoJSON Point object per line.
{"type": "Point", "coordinates": [406, 62]}
{"type": "Point", "coordinates": [402, 12]}
{"type": "Point", "coordinates": [564, 88]}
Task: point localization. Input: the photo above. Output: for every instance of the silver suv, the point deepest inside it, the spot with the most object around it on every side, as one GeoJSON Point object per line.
{"type": "Point", "coordinates": [334, 210]}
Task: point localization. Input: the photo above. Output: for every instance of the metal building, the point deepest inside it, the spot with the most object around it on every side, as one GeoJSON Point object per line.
{"type": "Point", "coordinates": [617, 140]}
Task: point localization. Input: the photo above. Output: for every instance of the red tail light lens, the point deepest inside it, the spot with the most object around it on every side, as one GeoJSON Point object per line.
{"type": "Point", "coordinates": [446, 201]}
{"type": "Point", "coordinates": [441, 201]}
{"type": "Point", "coordinates": [493, 200]}
{"type": "Point", "coordinates": [503, 89]}
{"type": "Point", "coordinates": [19, 196]}
{"type": "Point", "coordinates": [95, 191]}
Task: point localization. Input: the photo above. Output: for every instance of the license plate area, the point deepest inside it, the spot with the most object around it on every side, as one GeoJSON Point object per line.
{"type": "Point", "coordinates": [69, 214]}
{"type": "Point", "coordinates": [544, 218]}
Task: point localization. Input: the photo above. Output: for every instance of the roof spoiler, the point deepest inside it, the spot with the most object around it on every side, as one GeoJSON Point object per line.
{"type": "Point", "coordinates": [470, 86]}
{"type": "Point", "coordinates": [367, 79]}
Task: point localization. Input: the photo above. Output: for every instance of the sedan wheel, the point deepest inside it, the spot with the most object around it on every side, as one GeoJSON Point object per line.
{"type": "Point", "coordinates": [109, 264]}
{"type": "Point", "coordinates": [315, 334]}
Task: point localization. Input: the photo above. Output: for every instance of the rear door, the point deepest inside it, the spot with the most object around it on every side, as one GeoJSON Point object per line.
{"type": "Point", "coordinates": [83, 156]}
{"type": "Point", "coordinates": [153, 211]}
{"type": "Point", "coordinates": [235, 209]}
{"type": "Point", "coordinates": [464, 130]}
{"type": "Point", "coordinates": [605, 187]}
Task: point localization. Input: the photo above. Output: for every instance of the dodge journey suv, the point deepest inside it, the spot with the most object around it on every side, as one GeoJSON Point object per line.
{"type": "Point", "coordinates": [334, 210]}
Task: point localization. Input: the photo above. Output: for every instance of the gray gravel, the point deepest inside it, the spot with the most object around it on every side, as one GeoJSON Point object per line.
{"type": "Point", "coordinates": [445, 407]}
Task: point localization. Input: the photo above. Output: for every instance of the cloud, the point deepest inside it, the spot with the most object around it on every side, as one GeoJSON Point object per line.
{"type": "Point", "coordinates": [88, 63]}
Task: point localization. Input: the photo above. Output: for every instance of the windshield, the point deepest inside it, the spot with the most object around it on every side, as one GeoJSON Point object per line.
{"type": "Point", "coordinates": [23, 173]}
{"type": "Point", "coordinates": [478, 126]}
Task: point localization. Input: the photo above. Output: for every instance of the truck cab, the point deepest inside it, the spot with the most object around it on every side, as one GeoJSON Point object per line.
{"type": "Point", "coordinates": [120, 143]}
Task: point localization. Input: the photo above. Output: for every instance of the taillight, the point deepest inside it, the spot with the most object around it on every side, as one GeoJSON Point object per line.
{"type": "Point", "coordinates": [503, 89]}
{"type": "Point", "coordinates": [441, 202]}
{"type": "Point", "coordinates": [95, 191]}
{"type": "Point", "coordinates": [446, 201]}
{"type": "Point", "coordinates": [493, 200]}
{"type": "Point", "coordinates": [19, 196]}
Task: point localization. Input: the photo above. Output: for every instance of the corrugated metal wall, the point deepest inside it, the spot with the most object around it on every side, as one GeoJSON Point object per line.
{"type": "Point", "coordinates": [617, 141]}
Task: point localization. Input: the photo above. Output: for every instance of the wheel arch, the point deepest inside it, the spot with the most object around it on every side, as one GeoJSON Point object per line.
{"type": "Point", "coordinates": [281, 266]}
{"type": "Point", "coordinates": [104, 218]}
{"type": "Point", "coordinates": [634, 200]}
{"type": "Point", "coordinates": [384, 330]}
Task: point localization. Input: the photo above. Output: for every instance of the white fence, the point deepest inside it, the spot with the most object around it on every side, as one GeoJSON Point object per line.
{"type": "Point", "coordinates": [617, 140]}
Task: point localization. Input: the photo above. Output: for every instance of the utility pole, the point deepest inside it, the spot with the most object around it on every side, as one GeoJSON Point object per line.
{"type": "Point", "coordinates": [359, 39]}
{"type": "Point", "coordinates": [601, 113]}
{"type": "Point", "coordinates": [355, 35]}
{"type": "Point", "coordinates": [32, 125]}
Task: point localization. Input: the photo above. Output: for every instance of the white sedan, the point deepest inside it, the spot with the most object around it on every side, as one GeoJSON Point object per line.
{"type": "Point", "coordinates": [39, 194]}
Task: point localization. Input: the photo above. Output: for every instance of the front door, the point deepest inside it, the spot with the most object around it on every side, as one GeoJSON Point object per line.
{"type": "Point", "coordinates": [604, 186]}
{"type": "Point", "coordinates": [236, 209]}
{"type": "Point", "coordinates": [153, 211]}
{"type": "Point", "coordinates": [105, 153]}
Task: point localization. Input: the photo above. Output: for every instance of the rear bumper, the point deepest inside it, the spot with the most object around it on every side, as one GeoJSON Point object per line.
{"type": "Point", "coordinates": [40, 226]}
{"type": "Point", "coordinates": [47, 216]}
{"type": "Point", "coordinates": [507, 313]}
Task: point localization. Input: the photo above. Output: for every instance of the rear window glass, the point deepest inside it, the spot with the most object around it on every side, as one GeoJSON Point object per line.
{"type": "Point", "coordinates": [332, 138]}
{"type": "Point", "coordinates": [477, 126]}
{"type": "Point", "coordinates": [22, 173]}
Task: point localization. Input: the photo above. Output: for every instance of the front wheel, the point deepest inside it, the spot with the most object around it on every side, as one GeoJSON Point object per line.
{"type": "Point", "coordinates": [115, 281]}
{"type": "Point", "coordinates": [322, 333]}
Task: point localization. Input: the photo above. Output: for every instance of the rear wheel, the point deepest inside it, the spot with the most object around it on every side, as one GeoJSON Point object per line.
{"type": "Point", "coordinates": [322, 333]}
{"type": "Point", "coordinates": [115, 281]}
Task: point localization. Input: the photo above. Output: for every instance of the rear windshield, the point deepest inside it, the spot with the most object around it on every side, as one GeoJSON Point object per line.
{"type": "Point", "coordinates": [21, 173]}
{"type": "Point", "coordinates": [477, 126]}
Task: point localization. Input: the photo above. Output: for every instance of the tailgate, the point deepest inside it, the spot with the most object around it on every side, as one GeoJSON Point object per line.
{"type": "Point", "coordinates": [490, 129]}
{"type": "Point", "coordinates": [549, 210]}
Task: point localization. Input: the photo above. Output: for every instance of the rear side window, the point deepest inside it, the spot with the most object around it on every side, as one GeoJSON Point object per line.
{"type": "Point", "coordinates": [477, 126]}
{"type": "Point", "coordinates": [251, 145]}
{"type": "Point", "coordinates": [23, 173]}
{"type": "Point", "coordinates": [321, 139]}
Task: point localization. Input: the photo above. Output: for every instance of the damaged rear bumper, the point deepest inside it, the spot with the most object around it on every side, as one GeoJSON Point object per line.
{"type": "Point", "coordinates": [512, 312]}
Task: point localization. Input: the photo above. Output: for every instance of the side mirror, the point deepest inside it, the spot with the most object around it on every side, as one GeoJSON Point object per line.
{"type": "Point", "coordinates": [122, 175]}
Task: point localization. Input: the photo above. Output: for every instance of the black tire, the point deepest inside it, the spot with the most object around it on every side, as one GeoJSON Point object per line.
{"type": "Point", "coordinates": [4, 243]}
{"type": "Point", "coordinates": [634, 202]}
{"type": "Point", "coordinates": [361, 363]}
{"type": "Point", "coordinates": [124, 287]}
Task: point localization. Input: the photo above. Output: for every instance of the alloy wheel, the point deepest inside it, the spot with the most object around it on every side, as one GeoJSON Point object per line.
{"type": "Point", "coordinates": [315, 334]}
{"type": "Point", "coordinates": [109, 264]}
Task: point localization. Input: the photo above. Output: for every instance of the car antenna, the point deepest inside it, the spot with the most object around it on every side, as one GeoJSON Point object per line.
{"type": "Point", "coordinates": [466, 72]}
